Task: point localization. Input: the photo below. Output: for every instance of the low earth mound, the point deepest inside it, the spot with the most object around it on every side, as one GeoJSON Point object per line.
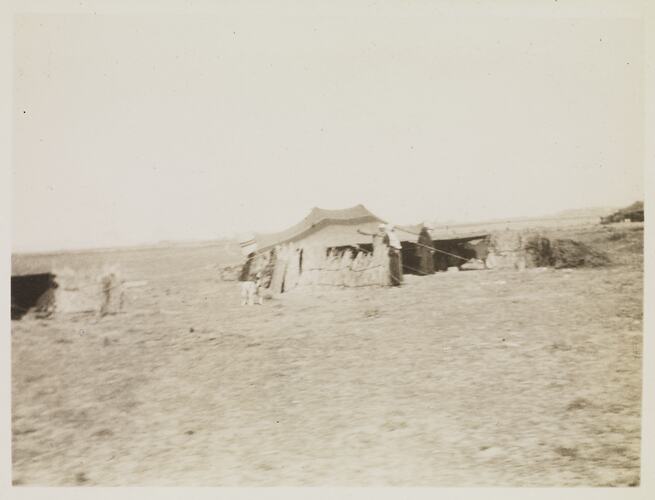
{"type": "Point", "coordinates": [622, 244]}
{"type": "Point", "coordinates": [572, 253]}
{"type": "Point", "coordinates": [563, 253]}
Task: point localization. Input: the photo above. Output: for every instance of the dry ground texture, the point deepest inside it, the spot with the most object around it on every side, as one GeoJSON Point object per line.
{"type": "Point", "coordinates": [478, 378]}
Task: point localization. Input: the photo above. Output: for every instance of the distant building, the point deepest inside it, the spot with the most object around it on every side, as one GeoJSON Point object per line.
{"type": "Point", "coordinates": [632, 213]}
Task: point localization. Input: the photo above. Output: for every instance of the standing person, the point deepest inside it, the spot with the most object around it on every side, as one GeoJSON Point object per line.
{"type": "Point", "coordinates": [380, 236]}
{"type": "Point", "coordinates": [425, 252]}
{"type": "Point", "coordinates": [248, 282]}
{"type": "Point", "coordinates": [391, 240]}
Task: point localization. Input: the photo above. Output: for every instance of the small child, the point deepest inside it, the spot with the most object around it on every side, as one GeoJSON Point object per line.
{"type": "Point", "coordinates": [248, 291]}
{"type": "Point", "coordinates": [248, 282]}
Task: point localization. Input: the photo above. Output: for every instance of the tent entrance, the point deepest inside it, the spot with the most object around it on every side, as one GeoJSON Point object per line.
{"type": "Point", "coordinates": [29, 291]}
{"type": "Point", "coordinates": [460, 251]}
{"type": "Point", "coordinates": [410, 259]}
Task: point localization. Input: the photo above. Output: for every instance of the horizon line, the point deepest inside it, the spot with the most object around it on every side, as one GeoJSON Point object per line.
{"type": "Point", "coordinates": [168, 243]}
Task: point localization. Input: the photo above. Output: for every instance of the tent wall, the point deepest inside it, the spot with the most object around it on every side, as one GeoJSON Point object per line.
{"type": "Point", "coordinates": [328, 267]}
{"type": "Point", "coordinates": [507, 251]}
{"type": "Point", "coordinates": [84, 294]}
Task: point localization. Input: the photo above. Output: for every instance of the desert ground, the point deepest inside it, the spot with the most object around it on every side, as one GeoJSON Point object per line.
{"type": "Point", "coordinates": [476, 378]}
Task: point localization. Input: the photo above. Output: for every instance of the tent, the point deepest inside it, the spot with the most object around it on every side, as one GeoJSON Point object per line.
{"type": "Point", "coordinates": [352, 228]}
{"type": "Point", "coordinates": [339, 233]}
{"type": "Point", "coordinates": [349, 227]}
{"type": "Point", "coordinates": [327, 247]}
{"type": "Point", "coordinates": [39, 289]}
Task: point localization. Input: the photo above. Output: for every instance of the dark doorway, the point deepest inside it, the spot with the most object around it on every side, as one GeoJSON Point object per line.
{"type": "Point", "coordinates": [411, 260]}
{"type": "Point", "coordinates": [31, 290]}
{"type": "Point", "coordinates": [455, 252]}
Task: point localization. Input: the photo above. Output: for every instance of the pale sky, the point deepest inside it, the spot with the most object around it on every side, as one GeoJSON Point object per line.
{"type": "Point", "coordinates": [135, 128]}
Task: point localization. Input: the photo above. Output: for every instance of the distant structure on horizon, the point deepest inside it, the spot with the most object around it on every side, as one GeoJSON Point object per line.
{"type": "Point", "coordinates": [631, 213]}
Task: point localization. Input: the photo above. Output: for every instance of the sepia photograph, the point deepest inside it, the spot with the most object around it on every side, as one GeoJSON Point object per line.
{"type": "Point", "coordinates": [350, 244]}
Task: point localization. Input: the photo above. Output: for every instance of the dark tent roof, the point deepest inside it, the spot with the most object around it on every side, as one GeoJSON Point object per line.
{"type": "Point", "coordinates": [468, 236]}
{"type": "Point", "coordinates": [342, 228]}
{"type": "Point", "coordinates": [317, 219]}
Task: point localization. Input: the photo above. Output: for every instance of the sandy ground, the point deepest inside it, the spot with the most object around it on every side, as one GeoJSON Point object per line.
{"type": "Point", "coordinates": [479, 378]}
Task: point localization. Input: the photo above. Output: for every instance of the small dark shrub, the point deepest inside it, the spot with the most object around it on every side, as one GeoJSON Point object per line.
{"type": "Point", "coordinates": [571, 253]}
{"type": "Point", "coordinates": [616, 235]}
{"type": "Point", "coordinates": [578, 404]}
{"type": "Point", "coordinates": [566, 452]}
{"type": "Point", "coordinates": [563, 253]}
